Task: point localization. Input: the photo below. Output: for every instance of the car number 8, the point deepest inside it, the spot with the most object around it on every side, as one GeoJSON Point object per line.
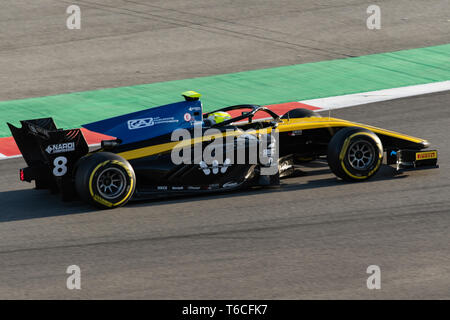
{"type": "Point", "coordinates": [60, 166]}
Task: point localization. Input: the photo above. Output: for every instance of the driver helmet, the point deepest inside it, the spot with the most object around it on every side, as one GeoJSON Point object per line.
{"type": "Point", "coordinates": [218, 117]}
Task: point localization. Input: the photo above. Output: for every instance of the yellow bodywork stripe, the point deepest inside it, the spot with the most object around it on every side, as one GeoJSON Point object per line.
{"type": "Point", "coordinates": [316, 123]}
{"type": "Point", "coordinates": [285, 126]}
{"type": "Point", "coordinates": [159, 148]}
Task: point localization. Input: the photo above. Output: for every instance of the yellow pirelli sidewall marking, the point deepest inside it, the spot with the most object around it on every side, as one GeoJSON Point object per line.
{"type": "Point", "coordinates": [426, 155]}
{"type": "Point", "coordinates": [94, 196]}
{"type": "Point", "coordinates": [101, 200]}
{"type": "Point", "coordinates": [344, 150]}
{"type": "Point", "coordinates": [131, 182]}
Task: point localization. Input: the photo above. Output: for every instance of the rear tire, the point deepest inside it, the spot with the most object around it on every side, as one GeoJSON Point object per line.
{"type": "Point", "coordinates": [355, 154]}
{"type": "Point", "coordinates": [105, 180]}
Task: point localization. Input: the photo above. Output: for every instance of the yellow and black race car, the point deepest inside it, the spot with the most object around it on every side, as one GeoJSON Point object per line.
{"type": "Point", "coordinates": [177, 149]}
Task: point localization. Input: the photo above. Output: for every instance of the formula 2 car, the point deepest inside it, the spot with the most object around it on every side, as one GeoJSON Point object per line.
{"type": "Point", "coordinates": [147, 160]}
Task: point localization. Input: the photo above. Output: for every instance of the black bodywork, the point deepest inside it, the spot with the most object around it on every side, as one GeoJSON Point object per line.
{"type": "Point", "coordinates": [43, 146]}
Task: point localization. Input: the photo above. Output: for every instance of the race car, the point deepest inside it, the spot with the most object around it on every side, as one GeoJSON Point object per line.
{"type": "Point", "coordinates": [176, 149]}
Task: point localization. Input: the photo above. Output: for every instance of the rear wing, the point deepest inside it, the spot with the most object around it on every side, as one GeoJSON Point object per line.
{"type": "Point", "coordinates": [48, 151]}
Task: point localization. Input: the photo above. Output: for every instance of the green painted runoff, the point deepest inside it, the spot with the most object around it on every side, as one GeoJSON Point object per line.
{"type": "Point", "coordinates": [264, 86]}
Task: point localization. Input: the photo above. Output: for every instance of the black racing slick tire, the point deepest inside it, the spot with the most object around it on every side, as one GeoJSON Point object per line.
{"type": "Point", "coordinates": [355, 154]}
{"type": "Point", "coordinates": [105, 180]}
{"type": "Point", "coordinates": [300, 113]}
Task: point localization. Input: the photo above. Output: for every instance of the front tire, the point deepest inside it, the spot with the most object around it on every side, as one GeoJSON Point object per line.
{"type": "Point", "coordinates": [355, 154]}
{"type": "Point", "coordinates": [105, 180]}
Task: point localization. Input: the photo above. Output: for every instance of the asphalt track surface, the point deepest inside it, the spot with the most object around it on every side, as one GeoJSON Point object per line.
{"type": "Point", "coordinates": [313, 237]}
{"type": "Point", "coordinates": [128, 42]}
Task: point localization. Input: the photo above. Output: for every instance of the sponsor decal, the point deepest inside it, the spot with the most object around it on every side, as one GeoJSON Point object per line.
{"type": "Point", "coordinates": [215, 167]}
{"type": "Point", "coordinates": [426, 155]}
{"type": "Point", "coordinates": [177, 188]}
{"type": "Point", "coordinates": [213, 186]}
{"type": "Point", "coordinates": [187, 117]}
{"type": "Point", "coordinates": [149, 122]}
{"type": "Point", "coordinates": [60, 148]}
{"type": "Point", "coordinates": [161, 187]}
{"type": "Point", "coordinates": [296, 133]}
{"type": "Point", "coordinates": [193, 188]}
{"type": "Point", "coordinates": [140, 123]}
{"type": "Point", "coordinates": [195, 108]}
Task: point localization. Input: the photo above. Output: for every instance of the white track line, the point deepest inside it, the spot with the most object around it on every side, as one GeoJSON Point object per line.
{"type": "Point", "coordinates": [3, 157]}
{"type": "Point", "coordinates": [356, 99]}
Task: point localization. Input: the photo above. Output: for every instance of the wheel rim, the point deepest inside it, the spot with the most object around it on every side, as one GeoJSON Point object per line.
{"type": "Point", "coordinates": [361, 155]}
{"type": "Point", "coordinates": [111, 183]}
